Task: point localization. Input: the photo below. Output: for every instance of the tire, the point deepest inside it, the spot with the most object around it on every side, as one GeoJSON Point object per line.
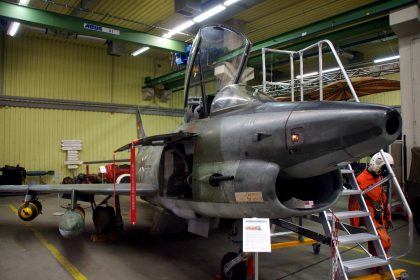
{"type": "Point", "coordinates": [238, 272]}
{"type": "Point", "coordinates": [104, 219]}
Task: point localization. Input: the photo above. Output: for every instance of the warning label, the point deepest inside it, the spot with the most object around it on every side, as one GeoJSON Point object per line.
{"type": "Point", "coordinates": [249, 197]}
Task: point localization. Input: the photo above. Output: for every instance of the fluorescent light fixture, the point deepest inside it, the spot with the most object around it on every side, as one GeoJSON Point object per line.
{"type": "Point", "coordinates": [230, 2]}
{"type": "Point", "coordinates": [14, 25]}
{"type": "Point", "coordinates": [330, 70]}
{"type": "Point", "coordinates": [307, 74]}
{"type": "Point", "coordinates": [379, 60]}
{"type": "Point", "coordinates": [179, 28]}
{"type": "Point", "coordinates": [13, 28]}
{"type": "Point", "coordinates": [316, 72]}
{"type": "Point", "coordinates": [139, 51]}
{"type": "Point", "coordinates": [209, 13]}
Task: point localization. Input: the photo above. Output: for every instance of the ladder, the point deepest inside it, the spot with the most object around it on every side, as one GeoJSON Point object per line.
{"type": "Point", "coordinates": [370, 235]}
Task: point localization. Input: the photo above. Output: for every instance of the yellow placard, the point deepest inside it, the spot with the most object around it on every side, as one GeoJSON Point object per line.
{"type": "Point", "coordinates": [249, 197]}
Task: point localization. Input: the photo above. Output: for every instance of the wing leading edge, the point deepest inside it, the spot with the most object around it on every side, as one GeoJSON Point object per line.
{"type": "Point", "coordinates": [142, 189]}
{"type": "Point", "coordinates": [158, 140]}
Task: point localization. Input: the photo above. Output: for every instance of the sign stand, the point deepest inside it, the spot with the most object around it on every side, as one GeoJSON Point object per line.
{"type": "Point", "coordinates": [256, 238]}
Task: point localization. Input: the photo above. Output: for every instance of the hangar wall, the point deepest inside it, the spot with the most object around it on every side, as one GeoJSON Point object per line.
{"type": "Point", "coordinates": [66, 69]}
{"type": "Point", "coordinates": [389, 98]}
{"type": "Point", "coordinates": [62, 69]}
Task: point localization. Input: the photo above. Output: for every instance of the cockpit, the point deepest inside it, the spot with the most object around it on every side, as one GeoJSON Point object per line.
{"type": "Point", "coordinates": [233, 96]}
{"type": "Point", "coordinates": [214, 72]}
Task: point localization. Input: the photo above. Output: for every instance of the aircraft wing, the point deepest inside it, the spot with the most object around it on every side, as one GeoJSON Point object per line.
{"type": "Point", "coordinates": [159, 140]}
{"type": "Point", "coordinates": [142, 189]}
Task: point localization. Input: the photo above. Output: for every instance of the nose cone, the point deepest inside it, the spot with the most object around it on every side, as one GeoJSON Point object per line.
{"type": "Point", "coordinates": [373, 129]}
{"type": "Point", "coordinates": [327, 133]}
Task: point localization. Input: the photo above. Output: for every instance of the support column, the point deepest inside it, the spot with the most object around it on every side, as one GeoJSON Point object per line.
{"type": "Point", "coordinates": [406, 24]}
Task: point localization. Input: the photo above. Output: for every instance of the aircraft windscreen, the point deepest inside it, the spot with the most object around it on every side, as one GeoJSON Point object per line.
{"type": "Point", "coordinates": [217, 59]}
{"type": "Point", "coordinates": [235, 95]}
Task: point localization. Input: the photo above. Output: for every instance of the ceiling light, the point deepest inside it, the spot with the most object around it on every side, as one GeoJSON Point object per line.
{"type": "Point", "coordinates": [209, 13]}
{"type": "Point", "coordinates": [14, 25]}
{"type": "Point", "coordinates": [379, 60]}
{"type": "Point", "coordinates": [13, 28]}
{"type": "Point", "coordinates": [330, 70]}
{"type": "Point", "coordinates": [307, 75]}
{"type": "Point", "coordinates": [139, 51]}
{"type": "Point", "coordinates": [316, 72]}
{"type": "Point", "coordinates": [230, 2]}
{"type": "Point", "coordinates": [179, 28]}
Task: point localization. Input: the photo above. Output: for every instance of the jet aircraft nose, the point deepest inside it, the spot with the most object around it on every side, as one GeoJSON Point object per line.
{"type": "Point", "coordinates": [332, 132]}
{"type": "Point", "coordinates": [375, 128]}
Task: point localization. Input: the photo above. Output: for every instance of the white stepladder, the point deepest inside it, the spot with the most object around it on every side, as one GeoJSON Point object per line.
{"type": "Point", "coordinates": [370, 234]}
{"type": "Point", "coordinates": [351, 236]}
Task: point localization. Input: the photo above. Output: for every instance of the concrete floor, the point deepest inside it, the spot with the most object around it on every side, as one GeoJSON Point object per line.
{"type": "Point", "coordinates": [29, 250]}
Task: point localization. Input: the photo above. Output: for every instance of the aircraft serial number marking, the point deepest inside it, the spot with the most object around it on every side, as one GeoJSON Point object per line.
{"type": "Point", "coordinates": [249, 197]}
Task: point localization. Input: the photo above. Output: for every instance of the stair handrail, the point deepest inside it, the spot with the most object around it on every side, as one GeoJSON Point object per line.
{"type": "Point", "coordinates": [319, 45]}
{"type": "Point", "coordinates": [406, 209]}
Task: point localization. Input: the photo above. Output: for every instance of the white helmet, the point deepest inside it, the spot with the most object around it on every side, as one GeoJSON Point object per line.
{"type": "Point", "coordinates": [377, 162]}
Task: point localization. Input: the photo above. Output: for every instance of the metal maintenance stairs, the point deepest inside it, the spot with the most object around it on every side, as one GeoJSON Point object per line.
{"type": "Point", "coordinates": [370, 235]}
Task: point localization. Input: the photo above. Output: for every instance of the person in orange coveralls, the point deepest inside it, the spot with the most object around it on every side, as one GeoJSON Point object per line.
{"type": "Point", "coordinates": [375, 200]}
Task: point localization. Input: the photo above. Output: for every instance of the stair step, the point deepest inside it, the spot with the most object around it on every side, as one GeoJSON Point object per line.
{"type": "Point", "coordinates": [356, 238]}
{"type": "Point", "coordinates": [351, 192]}
{"type": "Point", "coordinates": [348, 214]}
{"type": "Point", "coordinates": [363, 263]}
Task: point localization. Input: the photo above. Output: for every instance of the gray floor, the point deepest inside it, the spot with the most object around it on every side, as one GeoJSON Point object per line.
{"type": "Point", "coordinates": [25, 251]}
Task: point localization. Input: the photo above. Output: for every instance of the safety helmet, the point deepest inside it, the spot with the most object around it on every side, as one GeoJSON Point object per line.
{"type": "Point", "coordinates": [377, 162]}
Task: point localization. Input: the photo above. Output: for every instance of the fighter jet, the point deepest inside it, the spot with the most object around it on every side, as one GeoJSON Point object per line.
{"type": "Point", "coordinates": [239, 153]}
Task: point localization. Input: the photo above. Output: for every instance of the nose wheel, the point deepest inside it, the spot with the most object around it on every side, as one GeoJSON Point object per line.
{"type": "Point", "coordinates": [233, 267]}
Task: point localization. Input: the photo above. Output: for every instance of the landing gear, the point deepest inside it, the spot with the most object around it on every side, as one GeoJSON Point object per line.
{"type": "Point", "coordinates": [233, 267]}
{"type": "Point", "coordinates": [106, 219]}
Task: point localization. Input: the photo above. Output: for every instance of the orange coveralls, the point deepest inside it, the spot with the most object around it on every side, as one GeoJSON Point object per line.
{"type": "Point", "coordinates": [366, 179]}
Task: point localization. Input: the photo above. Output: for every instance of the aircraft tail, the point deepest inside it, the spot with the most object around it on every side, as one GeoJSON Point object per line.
{"type": "Point", "coordinates": [139, 123]}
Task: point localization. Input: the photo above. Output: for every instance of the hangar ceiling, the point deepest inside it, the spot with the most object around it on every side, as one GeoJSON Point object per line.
{"type": "Point", "coordinates": [353, 25]}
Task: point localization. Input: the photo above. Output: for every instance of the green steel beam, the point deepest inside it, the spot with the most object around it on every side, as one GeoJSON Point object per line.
{"type": "Point", "coordinates": [76, 25]}
{"type": "Point", "coordinates": [321, 29]}
{"type": "Point", "coordinates": [166, 79]}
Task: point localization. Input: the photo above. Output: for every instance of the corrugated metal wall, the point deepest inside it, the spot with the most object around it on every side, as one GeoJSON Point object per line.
{"type": "Point", "coordinates": [57, 69]}
{"type": "Point", "coordinates": [60, 69]}
{"type": "Point", "coordinates": [32, 137]}
{"type": "Point", "coordinates": [390, 98]}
